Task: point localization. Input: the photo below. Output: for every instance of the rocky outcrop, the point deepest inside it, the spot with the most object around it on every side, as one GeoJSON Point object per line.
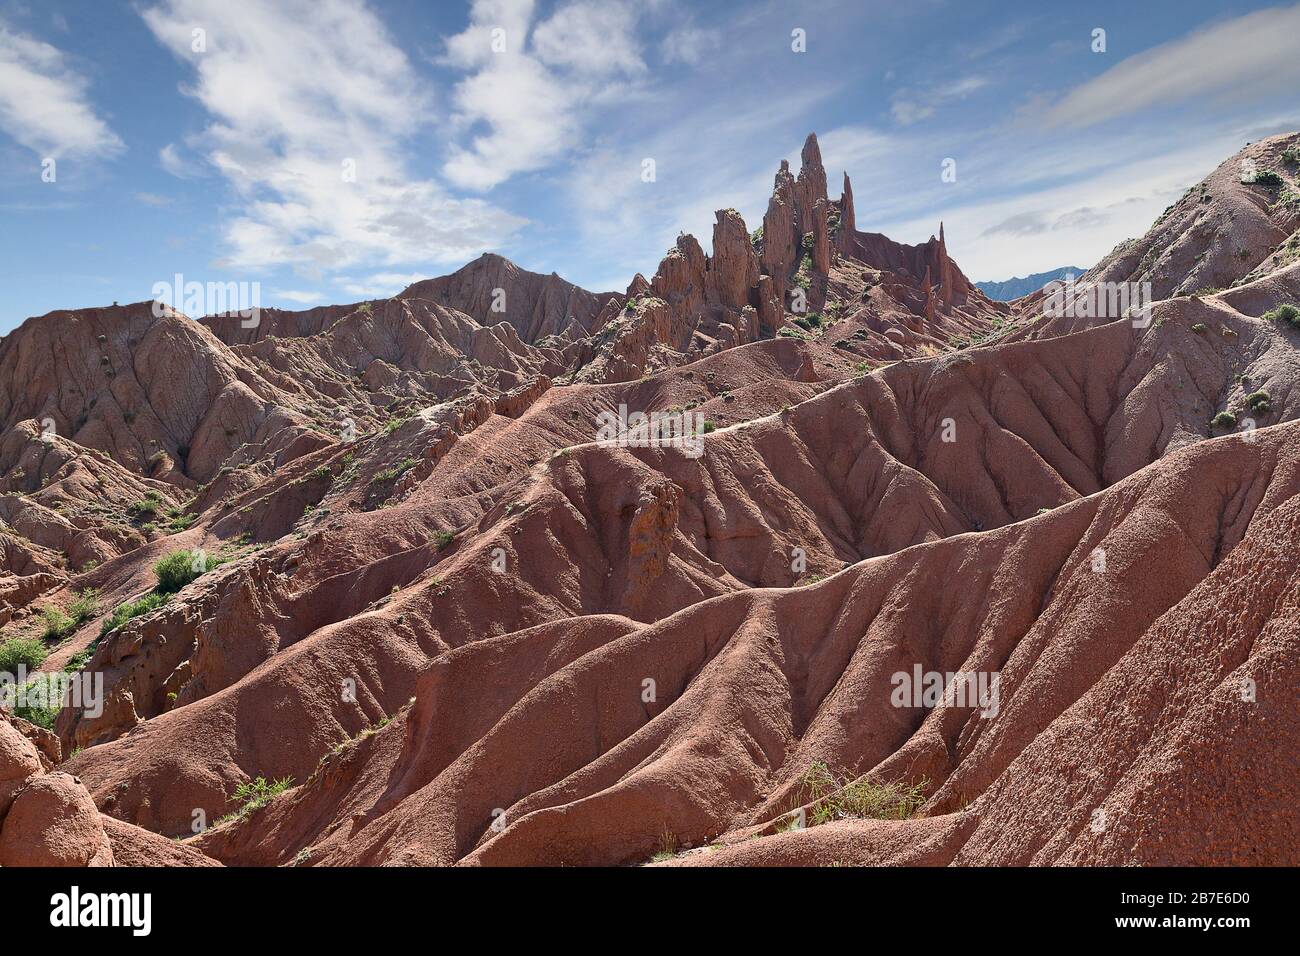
{"type": "Point", "coordinates": [46, 818]}
{"type": "Point", "coordinates": [493, 289]}
{"type": "Point", "coordinates": [1222, 228]}
{"type": "Point", "coordinates": [811, 184]}
{"type": "Point", "coordinates": [781, 235]}
{"type": "Point", "coordinates": [844, 238]}
{"type": "Point", "coordinates": [733, 267]}
{"type": "Point", "coordinates": [821, 238]}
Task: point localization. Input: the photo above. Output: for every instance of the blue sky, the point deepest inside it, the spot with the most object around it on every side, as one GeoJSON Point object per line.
{"type": "Point", "coordinates": [226, 163]}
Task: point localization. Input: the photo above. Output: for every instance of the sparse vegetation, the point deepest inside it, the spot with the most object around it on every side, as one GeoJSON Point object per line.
{"type": "Point", "coordinates": [392, 474]}
{"type": "Point", "coordinates": [179, 568]}
{"type": "Point", "coordinates": [1287, 313]}
{"type": "Point", "coordinates": [256, 794]}
{"type": "Point", "coordinates": [667, 847]}
{"type": "Point", "coordinates": [147, 508]}
{"type": "Point", "coordinates": [57, 625]}
{"type": "Point", "coordinates": [1259, 403]}
{"type": "Point", "coordinates": [80, 659]}
{"type": "Point", "coordinates": [444, 538]}
{"type": "Point", "coordinates": [1224, 421]}
{"type": "Point", "coordinates": [124, 612]}
{"type": "Point", "coordinates": [44, 699]}
{"type": "Point", "coordinates": [60, 624]}
{"type": "Point", "coordinates": [1200, 328]}
{"type": "Point", "coordinates": [84, 606]}
{"type": "Point", "coordinates": [838, 798]}
{"type": "Point", "coordinates": [28, 651]}
{"type": "Point", "coordinates": [180, 521]}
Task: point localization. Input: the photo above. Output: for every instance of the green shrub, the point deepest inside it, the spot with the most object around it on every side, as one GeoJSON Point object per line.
{"type": "Point", "coordinates": [841, 798]}
{"type": "Point", "coordinates": [80, 659]}
{"type": "Point", "coordinates": [181, 567]}
{"type": "Point", "coordinates": [44, 699]}
{"type": "Point", "coordinates": [29, 651]}
{"type": "Point", "coordinates": [1284, 313]}
{"type": "Point", "coordinates": [444, 538]}
{"type": "Point", "coordinates": [1224, 420]}
{"type": "Point", "coordinates": [1291, 156]}
{"type": "Point", "coordinates": [180, 522]}
{"type": "Point", "coordinates": [146, 508]}
{"type": "Point", "coordinates": [1259, 403]}
{"type": "Point", "coordinates": [57, 625]}
{"type": "Point", "coordinates": [392, 474]}
{"type": "Point", "coordinates": [84, 606]}
{"type": "Point", "coordinates": [124, 612]}
{"type": "Point", "coordinates": [256, 794]}
{"type": "Point", "coordinates": [1268, 179]}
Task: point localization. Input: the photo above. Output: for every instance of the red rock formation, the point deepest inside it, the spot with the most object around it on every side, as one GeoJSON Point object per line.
{"type": "Point", "coordinates": [535, 305]}
{"type": "Point", "coordinates": [1218, 232]}
{"type": "Point", "coordinates": [811, 185]}
{"type": "Point", "coordinates": [781, 235]}
{"type": "Point", "coordinates": [733, 267]}
{"type": "Point", "coordinates": [466, 522]}
{"type": "Point", "coordinates": [844, 239]}
{"type": "Point", "coordinates": [821, 249]}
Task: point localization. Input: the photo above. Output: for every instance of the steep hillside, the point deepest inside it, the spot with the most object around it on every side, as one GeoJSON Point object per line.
{"type": "Point", "coordinates": [458, 628]}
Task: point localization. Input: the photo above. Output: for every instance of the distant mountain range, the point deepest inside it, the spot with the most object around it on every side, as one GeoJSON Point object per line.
{"type": "Point", "coordinates": [1010, 289]}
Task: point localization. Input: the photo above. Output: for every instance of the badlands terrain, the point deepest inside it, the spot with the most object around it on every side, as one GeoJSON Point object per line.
{"type": "Point", "coordinates": [421, 616]}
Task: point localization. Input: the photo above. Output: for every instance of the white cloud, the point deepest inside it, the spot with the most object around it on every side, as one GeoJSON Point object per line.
{"type": "Point", "coordinates": [847, 149]}
{"type": "Point", "coordinates": [1248, 57]}
{"type": "Point", "coordinates": [1075, 223]}
{"type": "Point", "coordinates": [503, 22]}
{"type": "Point", "coordinates": [312, 105]}
{"type": "Point", "coordinates": [381, 286]}
{"type": "Point", "coordinates": [590, 36]}
{"type": "Point", "coordinates": [44, 104]}
{"type": "Point", "coordinates": [531, 98]}
{"type": "Point", "coordinates": [910, 106]}
{"type": "Point", "coordinates": [153, 199]}
{"type": "Point", "coordinates": [176, 164]}
{"type": "Point", "coordinates": [688, 44]}
{"type": "Point", "coordinates": [304, 298]}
